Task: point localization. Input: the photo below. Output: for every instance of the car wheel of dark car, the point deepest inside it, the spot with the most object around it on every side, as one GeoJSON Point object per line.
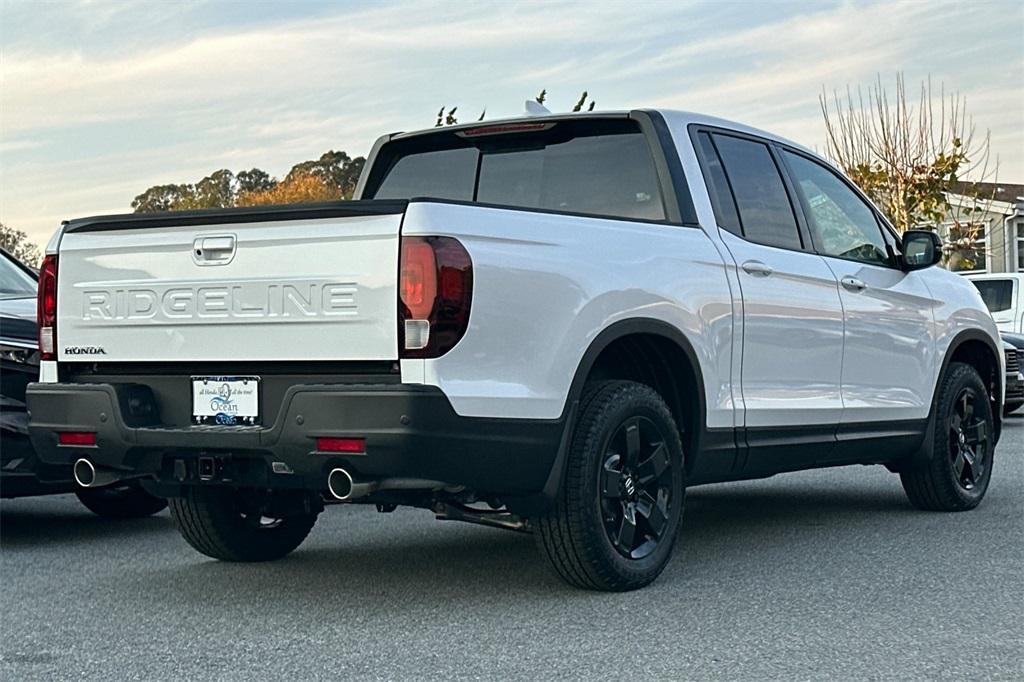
{"type": "Point", "coordinates": [234, 525]}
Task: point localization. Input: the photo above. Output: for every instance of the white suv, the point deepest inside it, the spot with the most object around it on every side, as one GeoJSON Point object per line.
{"type": "Point", "coordinates": [551, 324]}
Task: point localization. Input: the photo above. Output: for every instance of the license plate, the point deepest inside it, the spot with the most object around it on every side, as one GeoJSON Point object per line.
{"type": "Point", "coordinates": [229, 401]}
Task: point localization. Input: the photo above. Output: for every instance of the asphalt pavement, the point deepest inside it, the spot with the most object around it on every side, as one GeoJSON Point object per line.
{"type": "Point", "coordinates": [813, 575]}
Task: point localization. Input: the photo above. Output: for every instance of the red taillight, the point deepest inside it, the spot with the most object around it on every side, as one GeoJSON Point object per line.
{"type": "Point", "coordinates": [350, 445]}
{"type": "Point", "coordinates": [419, 277]}
{"type": "Point", "coordinates": [46, 309]}
{"type": "Point", "coordinates": [77, 438]}
{"type": "Point", "coordinates": [435, 291]}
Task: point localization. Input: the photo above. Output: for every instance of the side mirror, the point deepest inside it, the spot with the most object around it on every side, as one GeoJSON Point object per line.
{"type": "Point", "coordinates": [921, 249]}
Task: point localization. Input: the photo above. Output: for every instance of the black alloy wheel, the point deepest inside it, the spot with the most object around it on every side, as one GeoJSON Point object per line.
{"type": "Point", "coordinates": [616, 518]}
{"type": "Point", "coordinates": [636, 488]}
{"type": "Point", "coordinates": [969, 439]}
{"type": "Point", "coordinates": [953, 470]}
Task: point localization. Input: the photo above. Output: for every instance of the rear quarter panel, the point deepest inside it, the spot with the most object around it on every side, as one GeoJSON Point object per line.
{"type": "Point", "coordinates": [545, 285]}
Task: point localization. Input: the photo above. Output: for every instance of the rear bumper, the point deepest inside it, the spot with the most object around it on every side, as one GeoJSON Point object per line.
{"type": "Point", "coordinates": [21, 472]}
{"type": "Point", "coordinates": [411, 431]}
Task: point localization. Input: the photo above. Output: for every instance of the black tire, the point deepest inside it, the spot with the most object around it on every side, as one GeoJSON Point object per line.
{"type": "Point", "coordinates": [597, 500]}
{"type": "Point", "coordinates": [214, 521]}
{"type": "Point", "coordinates": [125, 501]}
{"type": "Point", "coordinates": [957, 475]}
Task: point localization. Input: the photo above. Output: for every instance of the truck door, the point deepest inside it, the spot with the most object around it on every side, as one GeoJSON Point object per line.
{"type": "Point", "coordinates": [792, 314]}
{"type": "Point", "coordinates": [889, 355]}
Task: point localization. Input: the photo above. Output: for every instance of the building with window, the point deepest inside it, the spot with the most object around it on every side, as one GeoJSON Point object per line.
{"type": "Point", "coordinates": [991, 228]}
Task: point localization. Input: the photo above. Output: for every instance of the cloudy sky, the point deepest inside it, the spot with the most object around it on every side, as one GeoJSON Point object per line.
{"type": "Point", "coordinates": [100, 100]}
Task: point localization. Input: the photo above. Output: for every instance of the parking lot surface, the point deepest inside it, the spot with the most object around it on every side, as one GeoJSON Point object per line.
{"type": "Point", "coordinates": [811, 575]}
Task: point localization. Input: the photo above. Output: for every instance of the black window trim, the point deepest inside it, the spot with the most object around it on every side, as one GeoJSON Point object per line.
{"type": "Point", "coordinates": [803, 232]}
{"type": "Point", "coordinates": [893, 261]}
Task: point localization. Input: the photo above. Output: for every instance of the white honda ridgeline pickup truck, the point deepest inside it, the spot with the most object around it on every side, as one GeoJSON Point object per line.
{"type": "Point", "coordinates": [553, 324]}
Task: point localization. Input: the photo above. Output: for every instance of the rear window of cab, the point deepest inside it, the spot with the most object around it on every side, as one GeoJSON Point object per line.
{"type": "Point", "coordinates": [593, 167]}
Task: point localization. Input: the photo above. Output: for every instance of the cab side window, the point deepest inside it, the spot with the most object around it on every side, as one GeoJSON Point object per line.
{"type": "Point", "coordinates": [718, 187]}
{"type": "Point", "coordinates": [766, 215]}
{"type": "Point", "coordinates": [842, 225]}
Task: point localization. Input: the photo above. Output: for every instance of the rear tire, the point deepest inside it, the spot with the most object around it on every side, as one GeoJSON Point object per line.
{"type": "Point", "coordinates": [616, 518]}
{"type": "Point", "coordinates": [215, 521]}
{"type": "Point", "coordinates": [125, 501]}
{"type": "Point", "coordinates": [957, 475]}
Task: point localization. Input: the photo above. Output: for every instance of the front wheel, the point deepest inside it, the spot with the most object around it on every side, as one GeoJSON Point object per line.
{"type": "Point", "coordinates": [232, 525]}
{"type": "Point", "coordinates": [957, 475]}
{"type": "Point", "coordinates": [124, 501]}
{"type": "Point", "coordinates": [615, 521]}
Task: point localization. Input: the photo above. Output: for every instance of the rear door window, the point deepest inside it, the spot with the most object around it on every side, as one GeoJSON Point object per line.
{"type": "Point", "coordinates": [766, 214]}
{"type": "Point", "coordinates": [592, 167]}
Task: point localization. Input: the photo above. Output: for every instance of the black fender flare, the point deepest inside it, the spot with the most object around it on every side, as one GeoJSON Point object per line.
{"type": "Point", "coordinates": [605, 338]}
{"type": "Point", "coordinates": [927, 450]}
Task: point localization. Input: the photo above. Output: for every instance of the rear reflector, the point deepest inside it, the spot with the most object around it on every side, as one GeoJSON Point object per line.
{"type": "Point", "coordinates": [77, 438]}
{"type": "Point", "coordinates": [417, 334]}
{"type": "Point", "coordinates": [341, 445]}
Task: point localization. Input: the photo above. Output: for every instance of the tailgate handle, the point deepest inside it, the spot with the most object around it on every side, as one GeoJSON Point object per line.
{"type": "Point", "coordinates": [217, 250]}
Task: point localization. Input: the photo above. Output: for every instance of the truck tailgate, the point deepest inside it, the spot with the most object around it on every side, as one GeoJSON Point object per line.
{"type": "Point", "coordinates": [309, 288]}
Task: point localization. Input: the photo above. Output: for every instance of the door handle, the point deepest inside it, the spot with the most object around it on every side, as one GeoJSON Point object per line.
{"type": "Point", "coordinates": [853, 284]}
{"type": "Point", "coordinates": [217, 250]}
{"type": "Point", "coordinates": [757, 268]}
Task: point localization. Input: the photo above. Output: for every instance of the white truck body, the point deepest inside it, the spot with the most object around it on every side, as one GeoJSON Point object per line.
{"type": "Point", "coordinates": [325, 290]}
{"type": "Point", "coordinates": [455, 334]}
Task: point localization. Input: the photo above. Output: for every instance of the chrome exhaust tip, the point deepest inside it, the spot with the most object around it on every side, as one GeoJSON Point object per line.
{"type": "Point", "coordinates": [340, 484]}
{"type": "Point", "coordinates": [85, 473]}
{"type": "Point", "coordinates": [343, 487]}
{"type": "Point", "coordinates": [88, 476]}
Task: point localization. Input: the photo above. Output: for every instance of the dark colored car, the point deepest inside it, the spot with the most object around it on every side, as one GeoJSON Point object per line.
{"type": "Point", "coordinates": [1013, 345]}
{"type": "Point", "coordinates": [21, 472]}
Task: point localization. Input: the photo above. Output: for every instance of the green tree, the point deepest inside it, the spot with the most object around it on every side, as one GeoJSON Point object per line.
{"type": "Point", "coordinates": [216, 190]}
{"type": "Point", "coordinates": [298, 188]}
{"type": "Point", "coordinates": [17, 243]}
{"type": "Point", "coordinates": [254, 180]}
{"type": "Point", "coordinates": [335, 169]}
{"type": "Point", "coordinates": [163, 198]}
{"type": "Point", "coordinates": [335, 172]}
